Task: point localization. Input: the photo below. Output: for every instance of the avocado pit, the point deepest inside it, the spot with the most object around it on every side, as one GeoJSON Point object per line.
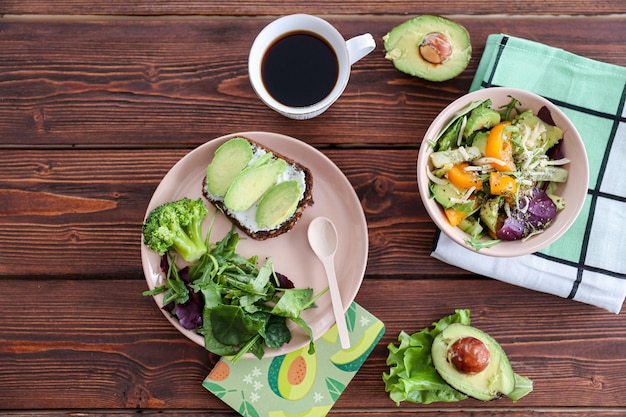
{"type": "Point", "coordinates": [469, 355]}
{"type": "Point", "coordinates": [435, 48]}
{"type": "Point", "coordinates": [472, 362]}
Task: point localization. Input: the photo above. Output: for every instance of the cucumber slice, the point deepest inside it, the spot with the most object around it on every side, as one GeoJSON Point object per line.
{"type": "Point", "coordinates": [550, 173]}
{"type": "Point", "coordinates": [278, 204]}
{"type": "Point", "coordinates": [252, 183]}
{"type": "Point", "coordinates": [453, 156]}
{"type": "Point", "coordinates": [228, 161]}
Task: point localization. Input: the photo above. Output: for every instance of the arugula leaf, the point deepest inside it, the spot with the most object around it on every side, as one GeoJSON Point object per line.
{"type": "Point", "coordinates": [509, 108]}
{"type": "Point", "coordinates": [175, 288]}
{"type": "Point", "coordinates": [292, 302]}
{"type": "Point", "coordinates": [300, 322]}
{"type": "Point", "coordinates": [477, 243]}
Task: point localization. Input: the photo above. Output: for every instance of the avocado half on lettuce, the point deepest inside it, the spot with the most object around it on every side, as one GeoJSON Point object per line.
{"type": "Point", "coordinates": [450, 362]}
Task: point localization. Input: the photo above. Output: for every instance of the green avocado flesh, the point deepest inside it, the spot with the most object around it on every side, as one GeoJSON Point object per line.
{"type": "Point", "coordinates": [481, 118]}
{"type": "Point", "coordinates": [278, 204]}
{"type": "Point", "coordinates": [252, 183]}
{"type": "Point", "coordinates": [229, 159]}
{"type": "Point", "coordinates": [407, 44]}
{"type": "Point", "coordinates": [496, 379]}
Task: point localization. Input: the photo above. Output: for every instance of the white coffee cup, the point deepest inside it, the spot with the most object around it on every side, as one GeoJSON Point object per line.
{"type": "Point", "coordinates": [347, 53]}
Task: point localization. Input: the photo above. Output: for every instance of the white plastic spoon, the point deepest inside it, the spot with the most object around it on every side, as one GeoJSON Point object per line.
{"type": "Point", "coordinates": [323, 240]}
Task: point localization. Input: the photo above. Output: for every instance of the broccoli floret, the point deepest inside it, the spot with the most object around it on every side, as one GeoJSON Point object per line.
{"type": "Point", "coordinates": [177, 226]}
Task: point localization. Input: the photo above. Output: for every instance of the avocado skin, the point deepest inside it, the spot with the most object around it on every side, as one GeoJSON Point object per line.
{"type": "Point", "coordinates": [495, 380]}
{"type": "Point", "coordinates": [403, 41]}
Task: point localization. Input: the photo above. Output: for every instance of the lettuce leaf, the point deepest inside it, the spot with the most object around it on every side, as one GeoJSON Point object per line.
{"type": "Point", "coordinates": [412, 376]}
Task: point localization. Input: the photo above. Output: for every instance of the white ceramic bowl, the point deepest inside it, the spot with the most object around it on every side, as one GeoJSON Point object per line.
{"type": "Point", "coordinates": [574, 190]}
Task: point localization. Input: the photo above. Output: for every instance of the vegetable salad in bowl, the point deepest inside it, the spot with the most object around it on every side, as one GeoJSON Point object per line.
{"type": "Point", "coordinates": [497, 170]}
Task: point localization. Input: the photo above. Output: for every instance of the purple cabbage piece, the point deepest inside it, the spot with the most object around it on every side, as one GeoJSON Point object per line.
{"type": "Point", "coordinates": [546, 116]}
{"type": "Point", "coordinates": [554, 152]}
{"type": "Point", "coordinates": [539, 214]}
{"type": "Point", "coordinates": [284, 282]}
{"type": "Point", "coordinates": [512, 229]}
{"type": "Point", "coordinates": [541, 210]}
{"type": "Point", "coordinates": [190, 314]}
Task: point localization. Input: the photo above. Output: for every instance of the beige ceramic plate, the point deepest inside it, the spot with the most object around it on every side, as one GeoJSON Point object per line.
{"type": "Point", "coordinates": [333, 197]}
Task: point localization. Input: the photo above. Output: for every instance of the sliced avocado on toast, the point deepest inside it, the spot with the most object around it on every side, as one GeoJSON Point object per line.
{"type": "Point", "coordinates": [278, 203]}
{"type": "Point", "coordinates": [261, 191]}
{"type": "Point", "coordinates": [229, 159]}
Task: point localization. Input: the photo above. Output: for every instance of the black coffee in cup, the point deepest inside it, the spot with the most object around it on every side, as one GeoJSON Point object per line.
{"type": "Point", "coordinates": [299, 69]}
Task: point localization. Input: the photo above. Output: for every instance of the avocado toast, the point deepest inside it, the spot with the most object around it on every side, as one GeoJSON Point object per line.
{"type": "Point", "coordinates": [262, 192]}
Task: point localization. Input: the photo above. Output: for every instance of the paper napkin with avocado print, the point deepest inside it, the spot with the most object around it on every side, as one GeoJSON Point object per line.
{"type": "Point", "coordinates": [297, 384]}
{"type": "Point", "coordinates": [588, 263]}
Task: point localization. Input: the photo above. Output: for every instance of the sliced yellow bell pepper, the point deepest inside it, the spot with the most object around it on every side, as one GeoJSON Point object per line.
{"type": "Point", "coordinates": [501, 184]}
{"type": "Point", "coordinates": [462, 178]}
{"type": "Point", "coordinates": [499, 147]}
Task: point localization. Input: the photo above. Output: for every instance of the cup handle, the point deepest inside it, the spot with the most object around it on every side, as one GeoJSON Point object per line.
{"type": "Point", "coordinates": [359, 46]}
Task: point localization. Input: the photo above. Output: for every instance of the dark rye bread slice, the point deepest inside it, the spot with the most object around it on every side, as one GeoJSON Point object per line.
{"type": "Point", "coordinates": [287, 224]}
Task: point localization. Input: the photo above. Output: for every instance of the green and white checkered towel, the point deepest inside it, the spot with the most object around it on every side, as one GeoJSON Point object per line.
{"type": "Point", "coordinates": [588, 263]}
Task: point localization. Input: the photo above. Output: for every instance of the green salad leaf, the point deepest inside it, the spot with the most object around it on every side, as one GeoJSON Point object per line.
{"type": "Point", "coordinates": [236, 305]}
{"type": "Point", "coordinates": [412, 376]}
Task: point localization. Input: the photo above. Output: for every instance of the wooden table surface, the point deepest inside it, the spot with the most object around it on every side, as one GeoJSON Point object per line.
{"type": "Point", "coordinates": [98, 100]}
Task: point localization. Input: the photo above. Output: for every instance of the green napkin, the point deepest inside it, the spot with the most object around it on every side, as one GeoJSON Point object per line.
{"type": "Point", "coordinates": [297, 384]}
{"type": "Point", "coordinates": [588, 263]}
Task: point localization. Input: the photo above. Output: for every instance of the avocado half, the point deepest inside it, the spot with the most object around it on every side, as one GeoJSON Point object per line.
{"type": "Point", "coordinates": [429, 47]}
{"type": "Point", "coordinates": [472, 362]}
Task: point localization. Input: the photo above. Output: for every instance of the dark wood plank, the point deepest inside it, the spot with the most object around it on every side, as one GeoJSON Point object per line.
{"type": "Point", "coordinates": [79, 212]}
{"type": "Point", "coordinates": [176, 83]}
{"type": "Point", "coordinates": [350, 413]}
{"type": "Point", "coordinates": [423, 412]}
{"type": "Point", "coordinates": [251, 7]}
{"type": "Point", "coordinates": [99, 345]}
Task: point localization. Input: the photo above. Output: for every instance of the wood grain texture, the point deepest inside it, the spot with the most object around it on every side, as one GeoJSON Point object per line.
{"type": "Point", "coordinates": [98, 345]}
{"type": "Point", "coordinates": [251, 7]}
{"type": "Point", "coordinates": [98, 100]}
{"type": "Point", "coordinates": [176, 83]}
{"type": "Point", "coordinates": [423, 412]}
{"type": "Point", "coordinates": [79, 212]}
